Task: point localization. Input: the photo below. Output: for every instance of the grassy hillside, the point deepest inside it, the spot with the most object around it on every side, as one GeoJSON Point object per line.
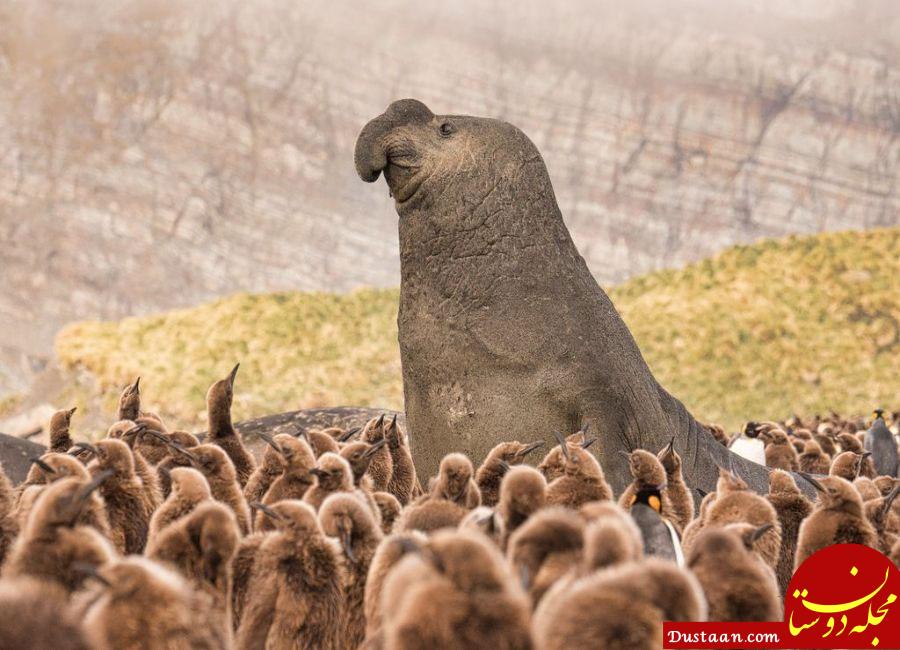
{"type": "Point", "coordinates": [799, 325]}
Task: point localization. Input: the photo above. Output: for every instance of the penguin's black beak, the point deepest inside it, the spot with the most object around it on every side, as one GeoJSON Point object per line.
{"type": "Point", "coordinates": [562, 444]}
{"type": "Point", "coordinates": [537, 444]}
{"type": "Point", "coordinates": [44, 466]}
{"type": "Point", "coordinates": [266, 510]}
{"type": "Point", "coordinates": [809, 479]}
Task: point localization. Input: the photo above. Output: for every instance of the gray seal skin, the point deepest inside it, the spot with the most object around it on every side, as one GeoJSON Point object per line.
{"type": "Point", "coordinates": [504, 333]}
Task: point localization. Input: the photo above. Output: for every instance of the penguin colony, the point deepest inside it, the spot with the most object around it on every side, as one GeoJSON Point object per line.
{"type": "Point", "coordinates": [151, 538]}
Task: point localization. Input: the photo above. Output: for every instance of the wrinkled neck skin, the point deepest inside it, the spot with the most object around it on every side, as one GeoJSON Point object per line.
{"type": "Point", "coordinates": [486, 268]}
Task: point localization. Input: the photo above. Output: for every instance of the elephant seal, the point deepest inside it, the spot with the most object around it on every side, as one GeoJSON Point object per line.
{"type": "Point", "coordinates": [504, 333]}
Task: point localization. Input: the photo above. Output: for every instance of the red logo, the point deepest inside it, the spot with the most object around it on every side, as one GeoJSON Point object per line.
{"type": "Point", "coordinates": [844, 597]}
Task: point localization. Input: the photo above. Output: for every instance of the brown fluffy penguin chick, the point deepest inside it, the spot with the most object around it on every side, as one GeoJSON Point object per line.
{"type": "Point", "coordinates": [297, 464]}
{"type": "Point", "coordinates": [847, 465]}
{"type": "Point", "coordinates": [332, 474]}
{"type": "Point", "coordinates": [522, 493]}
{"type": "Point", "coordinates": [349, 521]}
{"type": "Point", "coordinates": [866, 488]}
{"type": "Point", "coordinates": [813, 460]}
{"type": "Point", "coordinates": [582, 479]}
{"type": "Point", "coordinates": [680, 499]}
{"type": "Point", "coordinates": [201, 546]}
{"type": "Point", "coordinates": [553, 465]}
{"type": "Point", "coordinates": [850, 442]}
{"type": "Point", "coordinates": [242, 569]}
{"type": "Point", "coordinates": [381, 469]}
{"type": "Point", "coordinates": [185, 441]}
{"type": "Point", "coordinates": [130, 401]}
{"type": "Point", "coordinates": [128, 504]}
{"type": "Point", "coordinates": [466, 600]}
{"type": "Point", "coordinates": [60, 440]}
{"type": "Point", "coordinates": [321, 442]}
{"type": "Point", "coordinates": [484, 520]}
{"type": "Point", "coordinates": [780, 452]}
{"type": "Point", "coordinates": [544, 548]}
{"type": "Point", "coordinates": [265, 473]}
{"type": "Point", "coordinates": [143, 467]}
{"type": "Point", "coordinates": [36, 614]}
{"type": "Point", "coordinates": [296, 586]}
{"type": "Point", "coordinates": [498, 461]}
{"type": "Point", "coordinates": [189, 489]}
{"type": "Point", "coordinates": [885, 484]}
{"type": "Point", "coordinates": [53, 542]}
{"type": "Point", "coordinates": [878, 512]}
{"type": "Point", "coordinates": [697, 523]}
{"type": "Point", "coordinates": [359, 454]}
{"type": "Point", "coordinates": [792, 507]}
{"type": "Point", "coordinates": [738, 585]}
{"type": "Point", "coordinates": [53, 466]}
{"type": "Point", "coordinates": [138, 603]}
{"type": "Point", "coordinates": [389, 552]}
{"type": "Point", "coordinates": [403, 471]}
{"type": "Point", "coordinates": [455, 482]}
{"type": "Point", "coordinates": [9, 527]}
{"type": "Point", "coordinates": [218, 470]}
{"type": "Point", "coordinates": [736, 503]}
{"type": "Point", "coordinates": [222, 432]}
{"type": "Point", "coordinates": [429, 515]}
{"type": "Point", "coordinates": [622, 607]}
{"type": "Point", "coordinates": [837, 518]}
{"type": "Point", "coordinates": [389, 507]}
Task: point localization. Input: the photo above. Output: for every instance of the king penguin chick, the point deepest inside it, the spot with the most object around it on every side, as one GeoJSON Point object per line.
{"type": "Point", "coordinates": [53, 543]}
{"type": "Point", "coordinates": [297, 464]}
{"type": "Point", "coordinates": [543, 549]}
{"type": "Point", "coordinates": [736, 503]}
{"type": "Point", "coordinates": [880, 441]}
{"type": "Point", "coordinates": [428, 515]}
{"type": "Point", "coordinates": [184, 440]}
{"type": "Point", "coordinates": [878, 512]}
{"type": "Point", "coordinates": [332, 474]}
{"type": "Point", "coordinates": [266, 471]}
{"type": "Point", "coordinates": [390, 551]}
{"type": "Point", "coordinates": [218, 470]}
{"type": "Point", "coordinates": [359, 454]}
{"type": "Point", "coordinates": [780, 453]}
{"type": "Point", "coordinates": [222, 432]}
{"type": "Point", "coordinates": [738, 585]}
{"type": "Point", "coordinates": [189, 489]}
{"type": "Point", "coordinates": [847, 465]}
{"type": "Point", "coordinates": [346, 519]}
{"type": "Point", "coordinates": [389, 507]}
{"type": "Point", "coordinates": [680, 498]}
{"type": "Point", "coordinates": [621, 607]}
{"type": "Point", "coordinates": [466, 599]}
{"type": "Point", "coordinates": [296, 585]}
{"type": "Point", "coordinates": [201, 546]}
{"type": "Point", "coordinates": [138, 603]}
{"type": "Point", "coordinates": [866, 488]}
{"type": "Point", "coordinates": [553, 465]}
{"type": "Point", "coordinates": [403, 471]}
{"type": "Point", "coordinates": [496, 464]}
{"type": "Point", "coordinates": [813, 460]}
{"type": "Point", "coordinates": [455, 482]}
{"type": "Point", "coordinates": [582, 479]}
{"type": "Point", "coordinates": [36, 614]}
{"type": "Point", "coordinates": [837, 518]}
{"type": "Point", "coordinates": [130, 401]}
{"type": "Point", "coordinates": [320, 442]}
{"type": "Point", "coordinates": [128, 505]}
{"type": "Point", "coordinates": [60, 440]}
{"type": "Point", "coordinates": [381, 468]}
{"type": "Point", "coordinates": [792, 507]}
{"type": "Point", "coordinates": [522, 493]}
{"type": "Point", "coordinates": [144, 469]}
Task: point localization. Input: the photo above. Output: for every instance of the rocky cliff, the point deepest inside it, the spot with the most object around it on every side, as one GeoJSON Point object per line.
{"type": "Point", "coordinates": [155, 154]}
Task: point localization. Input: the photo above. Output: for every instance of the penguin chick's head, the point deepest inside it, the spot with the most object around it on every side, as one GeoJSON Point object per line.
{"type": "Point", "coordinates": [715, 545]}
{"type": "Point", "coordinates": [835, 493]}
{"type": "Point", "coordinates": [374, 430]}
{"type": "Point", "coordinates": [291, 516]}
{"type": "Point", "coordinates": [669, 458]}
{"type": "Point", "coordinates": [130, 400]}
{"type": "Point", "coordinates": [333, 473]}
{"type": "Point", "coordinates": [221, 394]}
{"type": "Point", "coordinates": [189, 484]}
{"type": "Point", "coordinates": [297, 456]}
{"type": "Point", "coordinates": [468, 559]}
{"type": "Point", "coordinates": [512, 453]}
{"type": "Point", "coordinates": [454, 475]}
{"type": "Point", "coordinates": [344, 517]}
{"type": "Point", "coordinates": [61, 503]}
{"type": "Point", "coordinates": [646, 469]}
{"type": "Point", "coordinates": [522, 491]}
{"type": "Point", "coordinates": [780, 482]}
{"type": "Point", "coordinates": [360, 454]}
{"type": "Point", "coordinates": [54, 466]}
{"type": "Point", "coordinates": [61, 420]}
{"type": "Point", "coordinates": [114, 455]}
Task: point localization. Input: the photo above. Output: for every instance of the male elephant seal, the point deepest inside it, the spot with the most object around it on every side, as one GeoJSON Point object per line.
{"type": "Point", "coordinates": [504, 333]}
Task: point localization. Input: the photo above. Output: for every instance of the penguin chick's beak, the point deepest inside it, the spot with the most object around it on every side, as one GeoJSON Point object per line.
{"type": "Point", "coordinates": [889, 499]}
{"type": "Point", "coordinates": [347, 542]}
{"type": "Point", "coordinates": [371, 451]}
{"type": "Point", "coordinates": [537, 444]}
{"type": "Point", "coordinates": [233, 374]}
{"type": "Point", "coordinates": [809, 479]}
{"type": "Point", "coordinates": [90, 571]}
{"type": "Point", "coordinates": [318, 473]}
{"type": "Point", "coordinates": [669, 448]}
{"type": "Point", "coordinates": [88, 447]}
{"type": "Point", "coordinates": [269, 440]}
{"type": "Point", "coordinates": [588, 442]}
{"type": "Point", "coordinates": [266, 510]}
{"type": "Point", "coordinates": [562, 444]}
{"type": "Point", "coordinates": [349, 434]}
{"type": "Point", "coordinates": [759, 532]}
{"type": "Point", "coordinates": [44, 466]}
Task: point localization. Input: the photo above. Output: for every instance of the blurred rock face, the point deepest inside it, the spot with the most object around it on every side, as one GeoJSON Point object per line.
{"type": "Point", "coordinates": [146, 148]}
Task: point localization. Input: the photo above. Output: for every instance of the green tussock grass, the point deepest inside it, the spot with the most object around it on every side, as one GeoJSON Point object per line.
{"type": "Point", "coordinates": [805, 324]}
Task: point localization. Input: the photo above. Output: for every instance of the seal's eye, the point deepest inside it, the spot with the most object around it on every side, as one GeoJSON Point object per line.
{"type": "Point", "coordinates": [447, 129]}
